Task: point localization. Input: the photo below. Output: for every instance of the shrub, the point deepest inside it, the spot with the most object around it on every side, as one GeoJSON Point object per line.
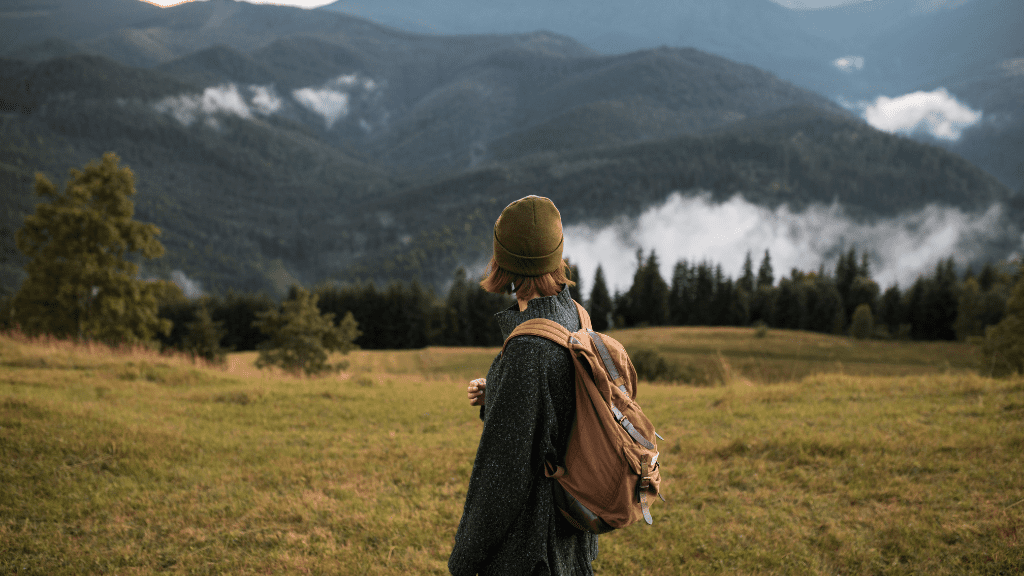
{"type": "Point", "coordinates": [653, 367]}
{"type": "Point", "coordinates": [203, 337]}
{"type": "Point", "coordinates": [1004, 343]}
{"type": "Point", "coordinates": [301, 337]}
{"type": "Point", "coordinates": [863, 324]}
{"type": "Point", "coordinates": [760, 329]}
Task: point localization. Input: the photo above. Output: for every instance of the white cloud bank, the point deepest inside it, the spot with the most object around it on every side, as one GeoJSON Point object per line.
{"type": "Point", "coordinates": [332, 101]}
{"type": "Point", "coordinates": [695, 228]}
{"type": "Point", "coordinates": [937, 113]}
{"type": "Point", "coordinates": [226, 99]}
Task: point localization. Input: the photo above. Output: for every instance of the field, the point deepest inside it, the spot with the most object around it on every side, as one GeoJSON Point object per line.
{"type": "Point", "coordinates": [817, 455]}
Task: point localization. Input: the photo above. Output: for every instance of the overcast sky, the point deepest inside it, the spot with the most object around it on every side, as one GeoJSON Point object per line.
{"type": "Point", "coordinates": [315, 3]}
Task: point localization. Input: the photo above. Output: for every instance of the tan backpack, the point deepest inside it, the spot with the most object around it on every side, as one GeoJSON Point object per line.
{"type": "Point", "coordinates": [611, 463]}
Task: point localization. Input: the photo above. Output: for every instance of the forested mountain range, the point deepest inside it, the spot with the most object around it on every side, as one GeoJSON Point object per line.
{"type": "Point", "coordinates": [856, 51]}
{"type": "Point", "coordinates": [274, 145]}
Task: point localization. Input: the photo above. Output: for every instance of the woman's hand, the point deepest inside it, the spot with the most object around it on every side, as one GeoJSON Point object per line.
{"type": "Point", "coordinates": [475, 392]}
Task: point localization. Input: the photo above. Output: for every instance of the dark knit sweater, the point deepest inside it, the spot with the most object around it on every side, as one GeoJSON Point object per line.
{"type": "Point", "coordinates": [509, 524]}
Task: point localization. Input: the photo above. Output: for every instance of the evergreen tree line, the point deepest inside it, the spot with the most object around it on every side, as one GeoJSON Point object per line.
{"type": "Point", "coordinates": [941, 306]}
{"type": "Point", "coordinates": [398, 316]}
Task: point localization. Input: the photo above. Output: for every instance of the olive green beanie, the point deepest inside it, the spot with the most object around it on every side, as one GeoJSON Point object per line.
{"type": "Point", "coordinates": [528, 237]}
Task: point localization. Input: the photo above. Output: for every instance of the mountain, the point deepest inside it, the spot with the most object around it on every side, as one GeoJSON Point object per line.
{"type": "Point", "coordinates": [274, 145]}
{"type": "Point", "coordinates": [28, 22]}
{"type": "Point", "coordinates": [997, 143]}
{"type": "Point", "coordinates": [956, 42]}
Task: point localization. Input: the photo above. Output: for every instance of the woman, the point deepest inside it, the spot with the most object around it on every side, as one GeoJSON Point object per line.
{"type": "Point", "coordinates": [509, 524]}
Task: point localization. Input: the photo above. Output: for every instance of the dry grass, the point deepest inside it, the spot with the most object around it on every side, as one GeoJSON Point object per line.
{"type": "Point", "coordinates": [129, 462]}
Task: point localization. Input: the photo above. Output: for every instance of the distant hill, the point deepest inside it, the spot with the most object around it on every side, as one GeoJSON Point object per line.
{"type": "Point", "coordinates": [997, 143]}
{"type": "Point", "coordinates": [887, 47]}
{"type": "Point", "coordinates": [757, 32]}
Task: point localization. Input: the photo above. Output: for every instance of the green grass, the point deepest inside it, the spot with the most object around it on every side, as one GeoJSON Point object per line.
{"type": "Point", "coordinates": [132, 463]}
{"type": "Point", "coordinates": [789, 355]}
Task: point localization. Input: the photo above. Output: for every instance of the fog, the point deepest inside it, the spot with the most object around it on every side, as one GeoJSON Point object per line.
{"type": "Point", "coordinates": [327, 102]}
{"type": "Point", "coordinates": [332, 101]}
{"type": "Point", "coordinates": [190, 287]}
{"type": "Point", "coordinates": [696, 228]}
{"type": "Point", "coordinates": [849, 63]}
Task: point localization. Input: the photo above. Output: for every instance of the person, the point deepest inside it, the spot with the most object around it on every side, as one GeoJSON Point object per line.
{"type": "Point", "coordinates": [527, 402]}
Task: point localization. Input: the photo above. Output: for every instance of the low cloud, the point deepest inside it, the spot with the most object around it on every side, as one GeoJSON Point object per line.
{"type": "Point", "coordinates": [327, 102]}
{"type": "Point", "coordinates": [264, 100]}
{"type": "Point", "coordinates": [332, 100]}
{"type": "Point", "coordinates": [937, 113]}
{"type": "Point", "coordinates": [695, 228]}
{"type": "Point", "coordinates": [191, 288]}
{"type": "Point", "coordinates": [849, 63]}
{"type": "Point", "coordinates": [226, 99]}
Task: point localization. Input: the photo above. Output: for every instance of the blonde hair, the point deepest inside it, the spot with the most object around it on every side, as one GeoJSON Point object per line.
{"type": "Point", "coordinates": [501, 281]}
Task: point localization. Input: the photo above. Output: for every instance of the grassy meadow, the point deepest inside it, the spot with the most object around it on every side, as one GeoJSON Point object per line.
{"type": "Point", "coordinates": [815, 455]}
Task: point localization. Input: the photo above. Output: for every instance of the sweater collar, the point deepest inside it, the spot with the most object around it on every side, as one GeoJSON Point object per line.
{"type": "Point", "coordinates": [559, 308]}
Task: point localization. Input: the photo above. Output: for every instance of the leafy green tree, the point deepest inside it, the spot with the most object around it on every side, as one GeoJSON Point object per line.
{"type": "Point", "coordinates": [203, 336]}
{"type": "Point", "coordinates": [301, 338]}
{"type": "Point", "coordinates": [81, 283]}
{"type": "Point", "coordinates": [600, 302]}
{"type": "Point", "coordinates": [862, 325]}
{"type": "Point", "coordinates": [1004, 342]}
{"type": "Point", "coordinates": [863, 290]}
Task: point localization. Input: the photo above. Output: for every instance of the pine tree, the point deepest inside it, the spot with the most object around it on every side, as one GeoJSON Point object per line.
{"type": "Point", "coordinates": [600, 302]}
{"type": "Point", "coordinates": [680, 298]}
{"type": "Point", "coordinates": [765, 275]}
{"type": "Point", "coordinates": [746, 281]}
{"type": "Point", "coordinates": [846, 273]}
{"type": "Point", "coordinates": [300, 337]}
{"type": "Point", "coordinates": [968, 311]}
{"type": "Point", "coordinates": [80, 282]}
{"type": "Point", "coordinates": [890, 309]}
{"type": "Point", "coordinates": [826, 306]}
{"type": "Point", "coordinates": [703, 295]}
{"type": "Point", "coordinates": [574, 274]}
{"type": "Point", "coordinates": [648, 297]}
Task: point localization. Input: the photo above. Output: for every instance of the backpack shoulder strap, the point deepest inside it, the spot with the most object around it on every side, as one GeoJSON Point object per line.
{"type": "Point", "coordinates": [585, 323]}
{"type": "Point", "coordinates": [544, 328]}
{"type": "Point", "coordinates": [550, 329]}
